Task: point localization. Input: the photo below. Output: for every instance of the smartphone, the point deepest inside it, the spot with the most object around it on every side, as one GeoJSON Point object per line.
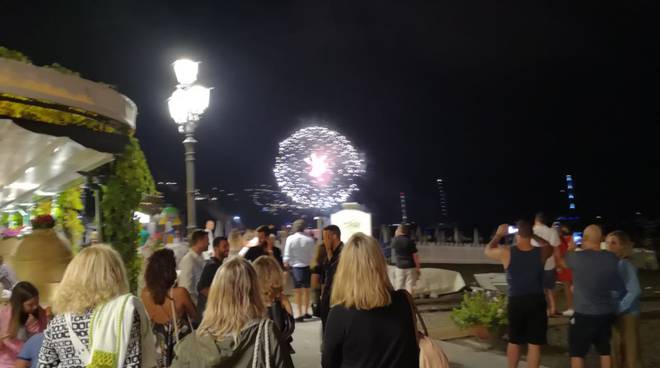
{"type": "Point", "coordinates": [577, 238]}
{"type": "Point", "coordinates": [512, 229]}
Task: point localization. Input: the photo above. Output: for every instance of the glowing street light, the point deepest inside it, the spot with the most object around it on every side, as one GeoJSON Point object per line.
{"type": "Point", "coordinates": [186, 71]}
{"type": "Point", "coordinates": [186, 104]}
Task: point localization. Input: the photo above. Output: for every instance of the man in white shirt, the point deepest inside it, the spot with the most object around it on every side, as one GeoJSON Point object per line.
{"type": "Point", "coordinates": [210, 231]}
{"type": "Point", "coordinates": [550, 235]}
{"type": "Point", "coordinates": [192, 263]}
{"type": "Point", "coordinates": [298, 254]}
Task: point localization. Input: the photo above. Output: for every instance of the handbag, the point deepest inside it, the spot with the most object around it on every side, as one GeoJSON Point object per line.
{"type": "Point", "coordinates": [431, 354]}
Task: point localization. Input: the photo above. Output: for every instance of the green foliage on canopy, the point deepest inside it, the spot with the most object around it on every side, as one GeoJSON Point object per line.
{"type": "Point", "coordinates": [67, 207]}
{"type": "Point", "coordinates": [6, 53]}
{"type": "Point", "coordinates": [130, 180]}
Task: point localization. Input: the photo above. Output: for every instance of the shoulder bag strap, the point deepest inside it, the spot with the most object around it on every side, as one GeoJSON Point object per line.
{"type": "Point", "coordinates": [255, 354]}
{"type": "Point", "coordinates": [415, 314]}
{"type": "Point", "coordinates": [267, 342]}
{"type": "Point", "coordinates": [75, 341]}
{"type": "Point", "coordinates": [176, 324]}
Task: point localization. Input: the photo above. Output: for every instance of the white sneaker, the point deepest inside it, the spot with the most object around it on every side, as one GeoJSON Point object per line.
{"type": "Point", "coordinates": [568, 313]}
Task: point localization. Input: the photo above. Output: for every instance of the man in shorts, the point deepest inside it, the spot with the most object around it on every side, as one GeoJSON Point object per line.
{"type": "Point", "coordinates": [526, 308]}
{"type": "Point", "coordinates": [595, 277]}
{"type": "Point", "coordinates": [298, 253]}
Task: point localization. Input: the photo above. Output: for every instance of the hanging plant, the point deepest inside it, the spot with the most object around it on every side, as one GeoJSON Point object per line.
{"type": "Point", "coordinates": [15, 220]}
{"type": "Point", "coordinates": [42, 206]}
{"type": "Point", "coordinates": [67, 210]}
{"type": "Point", "coordinates": [130, 180]}
{"type": "Point", "coordinates": [4, 219]}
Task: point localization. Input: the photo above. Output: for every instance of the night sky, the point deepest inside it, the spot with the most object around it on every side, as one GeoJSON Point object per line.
{"type": "Point", "coordinates": [499, 100]}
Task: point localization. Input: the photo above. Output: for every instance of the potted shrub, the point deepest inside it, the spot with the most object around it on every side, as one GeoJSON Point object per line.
{"type": "Point", "coordinates": [482, 312]}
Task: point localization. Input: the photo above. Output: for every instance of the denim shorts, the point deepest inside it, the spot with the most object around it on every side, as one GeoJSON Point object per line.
{"type": "Point", "coordinates": [302, 277]}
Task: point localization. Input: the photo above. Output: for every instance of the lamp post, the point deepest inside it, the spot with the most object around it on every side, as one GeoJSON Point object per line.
{"type": "Point", "coordinates": [186, 105]}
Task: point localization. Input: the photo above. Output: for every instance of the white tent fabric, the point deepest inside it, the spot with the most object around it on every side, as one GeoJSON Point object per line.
{"type": "Point", "coordinates": [38, 164]}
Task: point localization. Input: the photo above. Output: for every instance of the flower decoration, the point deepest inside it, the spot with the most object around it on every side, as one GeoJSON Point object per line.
{"type": "Point", "coordinates": [43, 222]}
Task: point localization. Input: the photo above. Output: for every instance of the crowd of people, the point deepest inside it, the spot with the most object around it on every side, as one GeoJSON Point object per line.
{"type": "Point", "coordinates": [601, 287]}
{"type": "Point", "coordinates": [222, 302]}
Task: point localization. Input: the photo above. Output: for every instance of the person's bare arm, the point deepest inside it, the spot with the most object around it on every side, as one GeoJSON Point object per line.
{"type": "Point", "coordinates": [188, 304]}
{"type": "Point", "coordinates": [493, 249]}
{"type": "Point", "coordinates": [286, 304]}
{"type": "Point", "coordinates": [20, 363]}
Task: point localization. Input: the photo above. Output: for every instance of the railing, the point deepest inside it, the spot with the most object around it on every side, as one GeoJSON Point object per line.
{"type": "Point", "coordinates": [459, 253]}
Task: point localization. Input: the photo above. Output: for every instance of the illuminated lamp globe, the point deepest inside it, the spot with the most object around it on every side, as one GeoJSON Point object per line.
{"type": "Point", "coordinates": [186, 71]}
{"type": "Point", "coordinates": [179, 106]}
{"type": "Point", "coordinates": [199, 97]}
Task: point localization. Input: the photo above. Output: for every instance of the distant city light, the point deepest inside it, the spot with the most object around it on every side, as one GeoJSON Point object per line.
{"type": "Point", "coordinates": [237, 218]}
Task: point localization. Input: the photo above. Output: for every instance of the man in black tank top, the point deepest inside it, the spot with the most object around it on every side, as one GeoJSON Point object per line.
{"type": "Point", "coordinates": [526, 307]}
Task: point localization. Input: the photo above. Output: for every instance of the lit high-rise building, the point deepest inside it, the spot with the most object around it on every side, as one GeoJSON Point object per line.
{"type": "Point", "coordinates": [404, 214]}
{"type": "Point", "coordinates": [570, 192]}
{"type": "Point", "coordinates": [443, 209]}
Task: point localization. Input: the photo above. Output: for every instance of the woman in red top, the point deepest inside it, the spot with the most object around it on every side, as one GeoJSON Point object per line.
{"type": "Point", "coordinates": [564, 274]}
{"type": "Point", "coordinates": [19, 320]}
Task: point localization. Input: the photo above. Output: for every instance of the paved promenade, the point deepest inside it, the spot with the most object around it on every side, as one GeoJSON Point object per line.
{"type": "Point", "coordinates": [307, 338]}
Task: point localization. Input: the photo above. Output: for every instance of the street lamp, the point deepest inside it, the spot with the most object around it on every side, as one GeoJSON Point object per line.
{"type": "Point", "coordinates": [187, 103]}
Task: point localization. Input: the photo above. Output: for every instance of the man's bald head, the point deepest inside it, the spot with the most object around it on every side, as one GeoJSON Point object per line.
{"type": "Point", "coordinates": [592, 237]}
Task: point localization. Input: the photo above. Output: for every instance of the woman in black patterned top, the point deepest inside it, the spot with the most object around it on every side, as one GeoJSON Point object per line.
{"type": "Point", "coordinates": [96, 277]}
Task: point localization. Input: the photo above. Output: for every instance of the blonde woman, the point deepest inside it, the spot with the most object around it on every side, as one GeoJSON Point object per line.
{"type": "Point", "coordinates": [278, 306]}
{"type": "Point", "coordinates": [626, 351]}
{"type": "Point", "coordinates": [234, 331]}
{"type": "Point", "coordinates": [95, 285]}
{"type": "Point", "coordinates": [370, 324]}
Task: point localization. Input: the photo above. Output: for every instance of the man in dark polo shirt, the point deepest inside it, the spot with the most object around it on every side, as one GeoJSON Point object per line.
{"type": "Point", "coordinates": [220, 252]}
{"type": "Point", "coordinates": [406, 260]}
{"type": "Point", "coordinates": [333, 246]}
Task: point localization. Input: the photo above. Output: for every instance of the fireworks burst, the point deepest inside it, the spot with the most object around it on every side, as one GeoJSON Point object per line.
{"type": "Point", "coordinates": [317, 167]}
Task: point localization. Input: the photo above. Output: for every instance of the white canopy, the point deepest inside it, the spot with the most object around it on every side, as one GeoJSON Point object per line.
{"type": "Point", "coordinates": [39, 164]}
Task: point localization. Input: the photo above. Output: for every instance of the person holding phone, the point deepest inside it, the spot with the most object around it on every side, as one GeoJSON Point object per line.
{"type": "Point", "coordinates": [526, 308]}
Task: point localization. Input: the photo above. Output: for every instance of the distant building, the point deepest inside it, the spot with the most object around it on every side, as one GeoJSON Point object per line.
{"type": "Point", "coordinates": [570, 192]}
{"type": "Point", "coordinates": [442, 206]}
{"type": "Point", "coordinates": [404, 214]}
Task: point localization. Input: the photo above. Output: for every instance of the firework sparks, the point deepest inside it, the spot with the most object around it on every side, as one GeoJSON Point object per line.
{"type": "Point", "coordinates": [317, 167]}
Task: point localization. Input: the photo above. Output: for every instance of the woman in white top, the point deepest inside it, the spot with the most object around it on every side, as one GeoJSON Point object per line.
{"type": "Point", "coordinates": [93, 299]}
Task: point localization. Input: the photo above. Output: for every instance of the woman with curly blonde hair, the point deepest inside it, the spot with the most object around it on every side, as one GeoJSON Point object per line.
{"type": "Point", "coordinates": [234, 331]}
{"type": "Point", "coordinates": [97, 320]}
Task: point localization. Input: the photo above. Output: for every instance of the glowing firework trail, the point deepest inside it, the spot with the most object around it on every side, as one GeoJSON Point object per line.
{"type": "Point", "coordinates": [317, 167]}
